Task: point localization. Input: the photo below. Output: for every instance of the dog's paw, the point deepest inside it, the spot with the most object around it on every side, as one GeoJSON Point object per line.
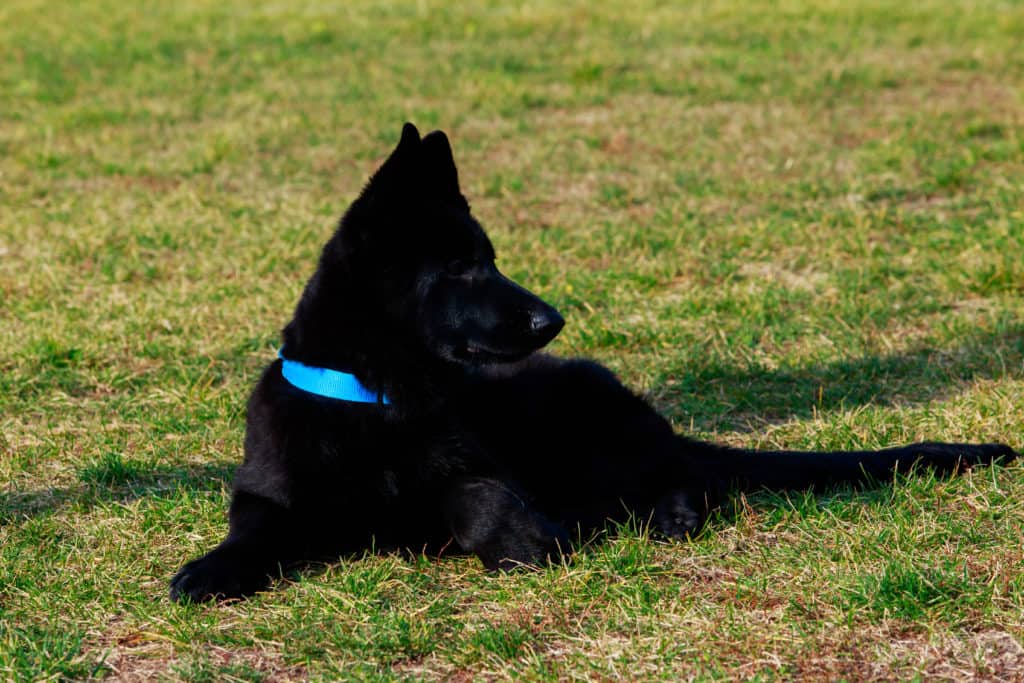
{"type": "Point", "coordinates": [677, 516]}
{"type": "Point", "coordinates": [511, 551]}
{"type": "Point", "coordinates": [487, 518]}
{"type": "Point", "coordinates": [219, 575]}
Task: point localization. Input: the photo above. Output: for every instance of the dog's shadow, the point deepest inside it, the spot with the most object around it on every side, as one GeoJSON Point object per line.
{"type": "Point", "coordinates": [717, 397]}
{"type": "Point", "coordinates": [112, 482]}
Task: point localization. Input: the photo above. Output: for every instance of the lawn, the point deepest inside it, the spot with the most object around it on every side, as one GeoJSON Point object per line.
{"type": "Point", "coordinates": [788, 224]}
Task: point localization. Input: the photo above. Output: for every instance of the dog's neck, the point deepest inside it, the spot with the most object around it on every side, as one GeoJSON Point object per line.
{"type": "Point", "coordinates": [332, 329]}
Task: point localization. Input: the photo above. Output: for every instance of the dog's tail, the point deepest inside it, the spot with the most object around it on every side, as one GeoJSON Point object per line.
{"type": "Point", "coordinates": [750, 470]}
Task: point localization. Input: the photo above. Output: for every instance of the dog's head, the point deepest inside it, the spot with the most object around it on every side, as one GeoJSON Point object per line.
{"type": "Point", "coordinates": [423, 269]}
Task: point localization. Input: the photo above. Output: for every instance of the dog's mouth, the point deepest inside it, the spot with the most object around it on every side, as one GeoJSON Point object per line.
{"type": "Point", "coordinates": [477, 353]}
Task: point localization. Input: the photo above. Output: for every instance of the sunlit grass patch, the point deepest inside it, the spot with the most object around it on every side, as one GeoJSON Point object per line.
{"type": "Point", "coordinates": [788, 225]}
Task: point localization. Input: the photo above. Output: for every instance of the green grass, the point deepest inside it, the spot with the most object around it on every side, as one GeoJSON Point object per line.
{"type": "Point", "coordinates": [789, 223]}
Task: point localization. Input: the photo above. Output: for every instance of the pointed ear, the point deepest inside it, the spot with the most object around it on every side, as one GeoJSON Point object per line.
{"type": "Point", "coordinates": [397, 168]}
{"type": "Point", "coordinates": [439, 166]}
{"type": "Point", "coordinates": [410, 137]}
{"type": "Point", "coordinates": [408, 147]}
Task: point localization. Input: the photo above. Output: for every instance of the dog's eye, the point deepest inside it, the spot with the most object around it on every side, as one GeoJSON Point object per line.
{"type": "Point", "coordinates": [457, 268]}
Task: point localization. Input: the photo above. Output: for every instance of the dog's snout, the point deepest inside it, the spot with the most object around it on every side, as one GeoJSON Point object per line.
{"type": "Point", "coordinates": [546, 323]}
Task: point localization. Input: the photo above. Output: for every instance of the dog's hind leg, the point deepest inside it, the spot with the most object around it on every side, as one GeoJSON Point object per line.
{"type": "Point", "coordinates": [260, 543]}
{"type": "Point", "coordinates": [489, 519]}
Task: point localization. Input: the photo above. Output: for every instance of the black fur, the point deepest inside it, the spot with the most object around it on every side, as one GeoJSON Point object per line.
{"type": "Point", "coordinates": [487, 444]}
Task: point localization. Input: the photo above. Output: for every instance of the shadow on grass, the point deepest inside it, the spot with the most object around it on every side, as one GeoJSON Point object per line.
{"type": "Point", "coordinates": [112, 480]}
{"type": "Point", "coordinates": [744, 399]}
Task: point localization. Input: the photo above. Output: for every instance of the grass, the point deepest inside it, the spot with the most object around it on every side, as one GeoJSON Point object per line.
{"type": "Point", "coordinates": [788, 224]}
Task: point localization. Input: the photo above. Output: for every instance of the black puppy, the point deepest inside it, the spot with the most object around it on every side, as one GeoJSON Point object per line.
{"type": "Point", "coordinates": [410, 407]}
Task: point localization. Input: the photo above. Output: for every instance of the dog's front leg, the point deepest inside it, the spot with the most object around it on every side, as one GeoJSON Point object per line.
{"type": "Point", "coordinates": [489, 519]}
{"type": "Point", "coordinates": [260, 542]}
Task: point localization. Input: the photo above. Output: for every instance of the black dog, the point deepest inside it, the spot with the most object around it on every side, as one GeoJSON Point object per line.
{"type": "Point", "coordinates": [451, 425]}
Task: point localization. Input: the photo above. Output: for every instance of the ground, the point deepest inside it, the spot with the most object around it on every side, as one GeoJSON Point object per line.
{"type": "Point", "coordinates": [788, 224]}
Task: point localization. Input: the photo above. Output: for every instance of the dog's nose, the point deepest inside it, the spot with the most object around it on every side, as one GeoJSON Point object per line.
{"type": "Point", "coordinates": [546, 323]}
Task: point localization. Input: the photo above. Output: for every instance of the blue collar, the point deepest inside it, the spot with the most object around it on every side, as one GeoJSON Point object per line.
{"type": "Point", "coordinates": [327, 382]}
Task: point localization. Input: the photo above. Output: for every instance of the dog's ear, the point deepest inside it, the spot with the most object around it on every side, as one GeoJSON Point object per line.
{"type": "Point", "coordinates": [404, 156]}
{"type": "Point", "coordinates": [397, 169]}
{"type": "Point", "coordinates": [439, 169]}
{"type": "Point", "coordinates": [421, 168]}
{"type": "Point", "coordinates": [410, 138]}
{"type": "Point", "coordinates": [439, 164]}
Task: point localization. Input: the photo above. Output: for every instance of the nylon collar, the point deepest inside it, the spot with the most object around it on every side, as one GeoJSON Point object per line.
{"type": "Point", "coordinates": [328, 383]}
